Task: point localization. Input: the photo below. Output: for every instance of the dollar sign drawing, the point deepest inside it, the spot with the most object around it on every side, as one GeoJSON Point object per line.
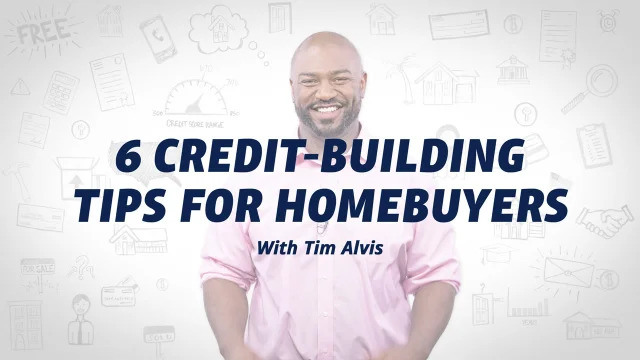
{"type": "Point", "coordinates": [609, 280]}
{"type": "Point", "coordinates": [162, 284]}
{"type": "Point", "coordinates": [514, 25]}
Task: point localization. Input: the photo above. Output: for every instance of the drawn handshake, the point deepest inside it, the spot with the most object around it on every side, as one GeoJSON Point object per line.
{"type": "Point", "coordinates": [605, 223]}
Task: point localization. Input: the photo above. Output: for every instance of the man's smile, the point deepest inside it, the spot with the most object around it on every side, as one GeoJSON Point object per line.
{"type": "Point", "coordinates": [326, 108]}
{"type": "Point", "coordinates": [326, 112]}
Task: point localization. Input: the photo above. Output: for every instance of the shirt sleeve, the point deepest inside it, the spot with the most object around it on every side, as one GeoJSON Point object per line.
{"type": "Point", "coordinates": [226, 253]}
{"type": "Point", "coordinates": [432, 255]}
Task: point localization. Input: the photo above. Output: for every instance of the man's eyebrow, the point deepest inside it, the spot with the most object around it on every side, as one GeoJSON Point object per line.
{"type": "Point", "coordinates": [307, 74]}
{"type": "Point", "coordinates": [340, 72]}
{"type": "Point", "coordinates": [335, 72]}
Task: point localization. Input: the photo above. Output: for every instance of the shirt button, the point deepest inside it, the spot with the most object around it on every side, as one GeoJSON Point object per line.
{"type": "Point", "coordinates": [325, 314]}
{"type": "Point", "coordinates": [323, 277]}
{"type": "Point", "coordinates": [322, 227]}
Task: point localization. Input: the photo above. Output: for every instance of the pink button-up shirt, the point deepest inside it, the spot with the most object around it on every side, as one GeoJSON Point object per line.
{"type": "Point", "coordinates": [329, 306]}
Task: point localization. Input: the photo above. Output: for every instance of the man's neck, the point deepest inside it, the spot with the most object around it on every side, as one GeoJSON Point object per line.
{"type": "Point", "coordinates": [315, 144]}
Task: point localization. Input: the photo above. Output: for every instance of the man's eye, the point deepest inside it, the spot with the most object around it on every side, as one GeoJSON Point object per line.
{"type": "Point", "coordinates": [308, 82]}
{"type": "Point", "coordinates": [341, 80]}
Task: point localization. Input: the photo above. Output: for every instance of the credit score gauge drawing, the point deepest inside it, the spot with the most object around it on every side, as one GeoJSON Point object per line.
{"type": "Point", "coordinates": [195, 97]}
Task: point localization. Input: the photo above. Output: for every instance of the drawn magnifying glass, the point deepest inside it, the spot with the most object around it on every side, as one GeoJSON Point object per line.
{"type": "Point", "coordinates": [602, 81]}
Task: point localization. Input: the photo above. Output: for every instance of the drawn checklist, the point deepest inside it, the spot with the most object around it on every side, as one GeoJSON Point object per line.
{"type": "Point", "coordinates": [594, 146]}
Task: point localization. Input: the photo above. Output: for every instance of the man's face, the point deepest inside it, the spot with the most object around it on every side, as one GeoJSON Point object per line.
{"type": "Point", "coordinates": [327, 86]}
{"type": "Point", "coordinates": [81, 307]}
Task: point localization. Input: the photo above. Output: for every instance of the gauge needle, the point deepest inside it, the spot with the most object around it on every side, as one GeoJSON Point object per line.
{"type": "Point", "coordinates": [194, 108]}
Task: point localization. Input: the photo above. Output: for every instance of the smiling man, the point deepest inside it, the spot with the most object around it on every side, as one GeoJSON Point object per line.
{"type": "Point", "coordinates": [327, 87]}
{"type": "Point", "coordinates": [329, 305]}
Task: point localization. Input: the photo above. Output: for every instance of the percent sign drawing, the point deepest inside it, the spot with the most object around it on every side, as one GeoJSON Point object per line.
{"type": "Point", "coordinates": [602, 81]}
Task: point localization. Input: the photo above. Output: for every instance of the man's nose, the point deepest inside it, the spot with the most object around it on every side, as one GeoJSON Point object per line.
{"type": "Point", "coordinates": [325, 91]}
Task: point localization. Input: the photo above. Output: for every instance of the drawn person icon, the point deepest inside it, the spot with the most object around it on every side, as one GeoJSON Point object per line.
{"type": "Point", "coordinates": [80, 330]}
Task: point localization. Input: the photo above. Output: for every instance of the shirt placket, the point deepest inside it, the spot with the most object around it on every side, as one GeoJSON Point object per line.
{"type": "Point", "coordinates": [325, 233]}
{"type": "Point", "coordinates": [325, 297]}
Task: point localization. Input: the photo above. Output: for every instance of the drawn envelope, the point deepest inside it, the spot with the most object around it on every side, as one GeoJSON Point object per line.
{"type": "Point", "coordinates": [568, 272]}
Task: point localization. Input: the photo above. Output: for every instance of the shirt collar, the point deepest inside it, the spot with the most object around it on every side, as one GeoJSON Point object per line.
{"type": "Point", "coordinates": [362, 134]}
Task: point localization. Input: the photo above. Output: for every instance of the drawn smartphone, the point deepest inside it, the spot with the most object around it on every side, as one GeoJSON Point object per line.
{"type": "Point", "coordinates": [157, 36]}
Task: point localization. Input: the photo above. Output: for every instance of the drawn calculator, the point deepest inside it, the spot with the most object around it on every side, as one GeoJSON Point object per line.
{"type": "Point", "coordinates": [62, 89]}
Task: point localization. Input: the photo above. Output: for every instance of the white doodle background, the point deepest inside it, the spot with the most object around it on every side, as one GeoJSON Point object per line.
{"type": "Point", "coordinates": [77, 79]}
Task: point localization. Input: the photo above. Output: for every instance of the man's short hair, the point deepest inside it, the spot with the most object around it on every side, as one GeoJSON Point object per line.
{"type": "Point", "coordinates": [77, 298]}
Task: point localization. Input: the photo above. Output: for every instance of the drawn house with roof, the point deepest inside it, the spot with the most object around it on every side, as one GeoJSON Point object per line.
{"type": "Point", "coordinates": [381, 20]}
{"type": "Point", "coordinates": [443, 86]}
{"type": "Point", "coordinates": [582, 327]}
{"type": "Point", "coordinates": [220, 27]}
{"type": "Point", "coordinates": [128, 241]}
{"type": "Point", "coordinates": [513, 71]}
{"type": "Point", "coordinates": [110, 21]}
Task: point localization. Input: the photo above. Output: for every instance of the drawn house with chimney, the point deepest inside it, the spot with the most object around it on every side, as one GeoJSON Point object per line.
{"type": "Point", "coordinates": [381, 20]}
{"type": "Point", "coordinates": [220, 27]}
{"type": "Point", "coordinates": [443, 86]}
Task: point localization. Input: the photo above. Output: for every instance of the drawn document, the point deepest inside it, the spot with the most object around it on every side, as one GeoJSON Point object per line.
{"type": "Point", "coordinates": [594, 146]}
{"type": "Point", "coordinates": [557, 35]}
{"type": "Point", "coordinates": [33, 130]}
{"type": "Point", "coordinates": [112, 82]}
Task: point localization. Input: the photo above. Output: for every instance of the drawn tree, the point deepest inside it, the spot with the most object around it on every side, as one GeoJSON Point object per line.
{"type": "Point", "coordinates": [399, 68]}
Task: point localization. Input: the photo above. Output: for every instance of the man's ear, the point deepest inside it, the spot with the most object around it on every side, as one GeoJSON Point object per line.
{"type": "Point", "coordinates": [363, 84]}
{"type": "Point", "coordinates": [291, 85]}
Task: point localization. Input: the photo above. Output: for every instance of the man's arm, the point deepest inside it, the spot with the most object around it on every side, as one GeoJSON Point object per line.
{"type": "Point", "coordinates": [430, 315]}
{"type": "Point", "coordinates": [226, 306]}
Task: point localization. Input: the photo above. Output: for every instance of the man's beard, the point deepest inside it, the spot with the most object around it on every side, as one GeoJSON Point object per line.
{"type": "Point", "coordinates": [350, 113]}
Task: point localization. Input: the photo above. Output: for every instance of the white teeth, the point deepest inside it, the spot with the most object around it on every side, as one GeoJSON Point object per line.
{"type": "Point", "coordinates": [327, 109]}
